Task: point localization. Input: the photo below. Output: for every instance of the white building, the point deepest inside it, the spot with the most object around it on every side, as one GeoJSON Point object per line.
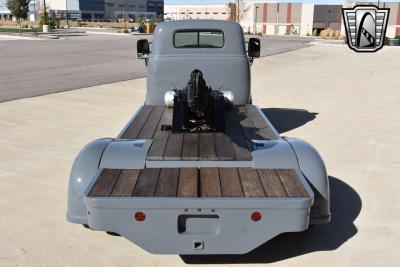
{"type": "Point", "coordinates": [196, 11]}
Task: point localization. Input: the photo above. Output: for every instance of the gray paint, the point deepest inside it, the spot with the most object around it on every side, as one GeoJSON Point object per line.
{"type": "Point", "coordinates": [232, 231]}
{"type": "Point", "coordinates": [170, 67]}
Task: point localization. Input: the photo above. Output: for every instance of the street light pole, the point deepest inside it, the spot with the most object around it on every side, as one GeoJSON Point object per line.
{"type": "Point", "coordinates": [255, 22]}
{"type": "Point", "coordinates": [45, 12]}
{"type": "Point", "coordinates": [66, 11]}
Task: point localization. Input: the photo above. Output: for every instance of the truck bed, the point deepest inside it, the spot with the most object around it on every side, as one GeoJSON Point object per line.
{"type": "Point", "coordinates": [243, 124]}
{"type": "Point", "coordinates": [199, 183]}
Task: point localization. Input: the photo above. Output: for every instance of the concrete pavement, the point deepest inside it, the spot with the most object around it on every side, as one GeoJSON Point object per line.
{"type": "Point", "coordinates": [344, 103]}
{"type": "Point", "coordinates": [31, 68]}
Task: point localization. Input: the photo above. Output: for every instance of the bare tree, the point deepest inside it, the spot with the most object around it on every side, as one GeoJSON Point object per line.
{"type": "Point", "coordinates": [19, 9]}
{"type": "Point", "coordinates": [238, 10]}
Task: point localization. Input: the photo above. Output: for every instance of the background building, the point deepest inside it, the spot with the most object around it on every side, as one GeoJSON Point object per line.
{"type": "Point", "coordinates": [270, 17]}
{"type": "Point", "coordinates": [4, 12]}
{"type": "Point", "coordinates": [98, 10]}
{"type": "Point", "coordinates": [197, 11]}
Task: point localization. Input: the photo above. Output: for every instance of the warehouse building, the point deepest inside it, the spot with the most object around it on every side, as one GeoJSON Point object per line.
{"type": "Point", "coordinates": [99, 10]}
{"type": "Point", "coordinates": [272, 18]}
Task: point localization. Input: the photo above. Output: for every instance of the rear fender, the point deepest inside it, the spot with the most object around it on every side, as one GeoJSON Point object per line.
{"type": "Point", "coordinates": [84, 169]}
{"type": "Point", "coordinates": [313, 167]}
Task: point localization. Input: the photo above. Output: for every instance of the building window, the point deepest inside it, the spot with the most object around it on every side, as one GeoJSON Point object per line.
{"type": "Point", "coordinates": [110, 4]}
{"type": "Point", "coordinates": [215, 13]}
{"type": "Point", "coordinates": [198, 13]}
{"type": "Point", "coordinates": [207, 13]}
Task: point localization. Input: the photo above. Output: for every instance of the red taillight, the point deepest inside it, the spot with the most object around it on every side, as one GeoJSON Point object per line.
{"type": "Point", "coordinates": [256, 216]}
{"type": "Point", "coordinates": [140, 216]}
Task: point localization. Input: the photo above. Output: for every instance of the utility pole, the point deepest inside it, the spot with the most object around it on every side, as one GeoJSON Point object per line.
{"type": "Point", "coordinates": [45, 12]}
{"type": "Point", "coordinates": [238, 11]}
{"type": "Point", "coordinates": [66, 11]}
{"type": "Point", "coordinates": [255, 21]}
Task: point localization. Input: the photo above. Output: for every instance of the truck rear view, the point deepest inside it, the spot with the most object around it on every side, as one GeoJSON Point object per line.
{"type": "Point", "coordinates": [198, 169]}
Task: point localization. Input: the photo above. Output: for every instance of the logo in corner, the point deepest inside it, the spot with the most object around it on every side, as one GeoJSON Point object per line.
{"type": "Point", "coordinates": [365, 27]}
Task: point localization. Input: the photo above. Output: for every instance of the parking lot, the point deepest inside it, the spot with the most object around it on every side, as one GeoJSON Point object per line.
{"type": "Point", "coordinates": [38, 67]}
{"type": "Point", "coordinates": [344, 103]}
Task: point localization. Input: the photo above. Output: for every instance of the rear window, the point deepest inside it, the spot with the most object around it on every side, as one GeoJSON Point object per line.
{"type": "Point", "coordinates": [199, 39]}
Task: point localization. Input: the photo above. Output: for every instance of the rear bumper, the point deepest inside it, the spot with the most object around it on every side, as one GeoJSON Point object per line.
{"type": "Point", "coordinates": [220, 226]}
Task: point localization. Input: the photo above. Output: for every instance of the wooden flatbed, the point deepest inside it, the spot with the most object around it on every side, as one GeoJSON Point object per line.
{"type": "Point", "coordinates": [199, 183]}
{"type": "Point", "coordinates": [243, 124]}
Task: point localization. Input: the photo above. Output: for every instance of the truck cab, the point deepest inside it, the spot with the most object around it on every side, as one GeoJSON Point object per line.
{"type": "Point", "coordinates": [218, 49]}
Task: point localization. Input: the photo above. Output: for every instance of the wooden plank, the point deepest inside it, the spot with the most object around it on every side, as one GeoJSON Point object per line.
{"type": "Point", "coordinates": [210, 185]}
{"type": "Point", "coordinates": [133, 130]}
{"type": "Point", "coordinates": [104, 183]}
{"type": "Point", "coordinates": [259, 123]}
{"type": "Point", "coordinates": [160, 137]}
{"type": "Point", "coordinates": [272, 184]}
{"type": "Point", "coordinates": [190, 149]}
{"type": "Point", "coordinates": [167, 182]}
{"type": "Point", "coordinates": [126, 183]}
{"type": "Point", "coordinates": [188, 182]}
{"type": "Point", "coordinates": [292, 184]}
{"type": "Point", "coordinates": [230, 182]}
{"type": "Point", "coordinates": [235, 132]}
{"type": "Point", "coordinates": [147, 182]}
{"type": "Point", "coordinates": [251, 183]}
{"type": "Point", "coordinates": [250, 131]}
{"type": "Point", "coordinates": [151, 123]}
{"type": "Point", "coordinates": [173, 150]}
{"type": "Point", "coordinates": [223, 147]}
{"type": "Point", "coordinates": [207, 147]}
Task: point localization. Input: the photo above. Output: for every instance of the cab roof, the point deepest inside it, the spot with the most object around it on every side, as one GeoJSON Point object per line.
{"type": "Point", "coordinates": [164, 36]}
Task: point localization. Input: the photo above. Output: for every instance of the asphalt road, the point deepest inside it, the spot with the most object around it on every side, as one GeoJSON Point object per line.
{"type": "Point", "coordinates": [38, 67]}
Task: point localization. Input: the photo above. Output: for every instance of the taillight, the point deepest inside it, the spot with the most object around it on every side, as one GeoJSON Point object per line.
{"type": "Point", "coordinates": [256, 216]}
{"type": "Point", "coordinates": [140, 216]}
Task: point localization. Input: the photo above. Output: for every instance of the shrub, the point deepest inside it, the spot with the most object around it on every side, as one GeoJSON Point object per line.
{"type": "Point", "coordinates": [314, 33]}
{"type": "Point", "coordinates": [307, 34]}
{"type": "Point", "coordinates": [327, 33]}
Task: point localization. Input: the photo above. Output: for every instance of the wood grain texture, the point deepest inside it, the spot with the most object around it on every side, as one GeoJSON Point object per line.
{"type": "Point", "coordinates": [160, 138]}
{"type": "Point", "coordinates": [223, 147]}
{"type": "Point", "coordinates": [272, 184]}
{"type": "Point", "coordinates": [188, 182]}
{"type": "Point", "coordinates": [210, 185]}
{"type": "Point", "coordinates": [147, 182]}
{"type": "Point", "coordinates": [190, 147]}
{"type": "Point", "coordinates": [167, 182]}
{"type": "Point", "coordinates": [230, 182]}
{"type": "Point", "coordinates": [133, 130]}
{"type": "Point", "coordinates": [234, 130]}
{"type": "Point", "coordinates": [251, 183]}
{"type": "Point", "coordinates": [173, 150]}
{"type": "Point", "coordinates": [104, 183]}
{"type": "Point", "coordinates": [125, 183]}
{"type": "Point", "coordinates": [150, 125]}
{"type": "Point", "coordinates": [259, 123]}
{"type": "Point", "coordinates": [207, 147]}
{"type": "Point", "coordinates": [292, 184]}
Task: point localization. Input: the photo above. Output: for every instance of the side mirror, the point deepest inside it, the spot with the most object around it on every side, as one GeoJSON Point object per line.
{"type": "Point", "coordinates": [143, 48]}
{"type": "Point", "coordinates": [254, 47]}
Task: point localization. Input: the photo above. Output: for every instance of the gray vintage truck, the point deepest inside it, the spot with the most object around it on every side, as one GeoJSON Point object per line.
{"type": "Point", "coordinates": [198, 169]}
